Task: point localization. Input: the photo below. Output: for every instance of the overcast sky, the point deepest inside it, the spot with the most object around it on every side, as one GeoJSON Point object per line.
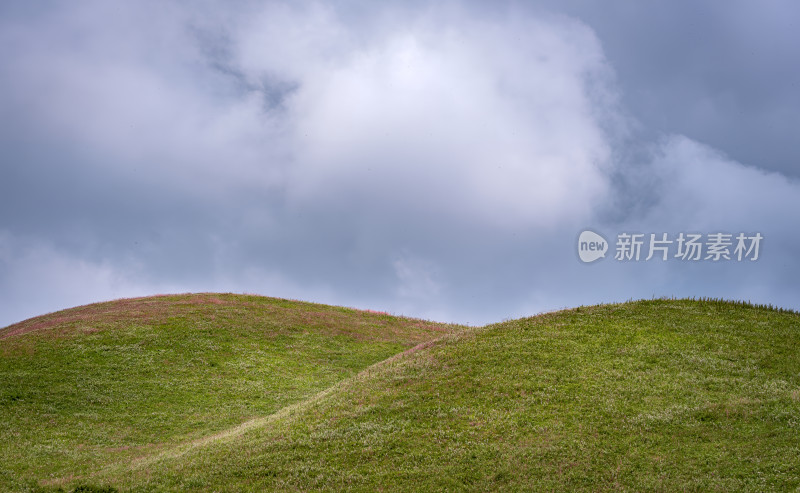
{"type": "Point", "coordinates": [436, 160]}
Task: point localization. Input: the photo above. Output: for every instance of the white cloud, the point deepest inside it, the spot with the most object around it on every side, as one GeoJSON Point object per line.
{"type": "Point", "coordinates": [130, 89]}
{"type": "Point", "coordinates": [699, 188]}
{"type": "Point", "coordinates": [461, 117]}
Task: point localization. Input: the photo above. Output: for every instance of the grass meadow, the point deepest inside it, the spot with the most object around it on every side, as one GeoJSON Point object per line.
{"type": "Point", "coordinates": [255, 394]}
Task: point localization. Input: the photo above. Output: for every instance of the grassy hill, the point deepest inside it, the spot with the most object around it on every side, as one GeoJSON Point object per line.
{"type": "Point", "coordinates": [109, 382]}
{"type": "Point", "coordinates": [653, 395]}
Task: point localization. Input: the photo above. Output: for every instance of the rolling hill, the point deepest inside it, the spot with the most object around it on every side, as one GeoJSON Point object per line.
{"type": "Point", "coordinates": [657, 395]}
{"type": "Point", "coordinates": [109, 382]}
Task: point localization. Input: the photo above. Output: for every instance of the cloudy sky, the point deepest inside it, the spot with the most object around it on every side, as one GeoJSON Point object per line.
{"type": "Point", "coordinates": [436, 160]}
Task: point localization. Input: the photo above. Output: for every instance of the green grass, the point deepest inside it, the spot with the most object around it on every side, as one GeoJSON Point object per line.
{"type": "Point", "coordinates": [661, 395]}
{"type": "Point", "coordinates": [111, 382]}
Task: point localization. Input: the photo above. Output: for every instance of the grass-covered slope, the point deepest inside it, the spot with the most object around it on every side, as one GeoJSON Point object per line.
{"type": "Point", "coordinates": [110, 382]}
{"type": "Point", "coordinates": [651, 395]}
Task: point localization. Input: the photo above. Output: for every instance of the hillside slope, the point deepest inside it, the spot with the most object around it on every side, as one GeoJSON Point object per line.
{"type": "Point", "coordinates": [110, 382]}
{"type": "Point", "coordinates": [652, 395]}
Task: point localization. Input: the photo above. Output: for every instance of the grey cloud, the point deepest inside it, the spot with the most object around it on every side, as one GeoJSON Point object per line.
{"type": "Point", "coordinates": [723, 75]}
{"type": "Point", "coordinates": [430, 161]}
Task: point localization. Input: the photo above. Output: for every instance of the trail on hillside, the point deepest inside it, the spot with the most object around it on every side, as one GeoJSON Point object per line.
{"type": "Point", "coordinates": [175, 451]}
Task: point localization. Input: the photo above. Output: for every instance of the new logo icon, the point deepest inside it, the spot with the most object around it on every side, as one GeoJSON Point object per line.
{"type": "Point", "coordinates": [591, 246]}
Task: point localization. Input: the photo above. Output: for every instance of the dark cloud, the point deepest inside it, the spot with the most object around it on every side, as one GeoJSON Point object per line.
{"type": "Point", "coordinates": [722, 75]}
{"type": "Point", "coordinates": [431, 161]}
